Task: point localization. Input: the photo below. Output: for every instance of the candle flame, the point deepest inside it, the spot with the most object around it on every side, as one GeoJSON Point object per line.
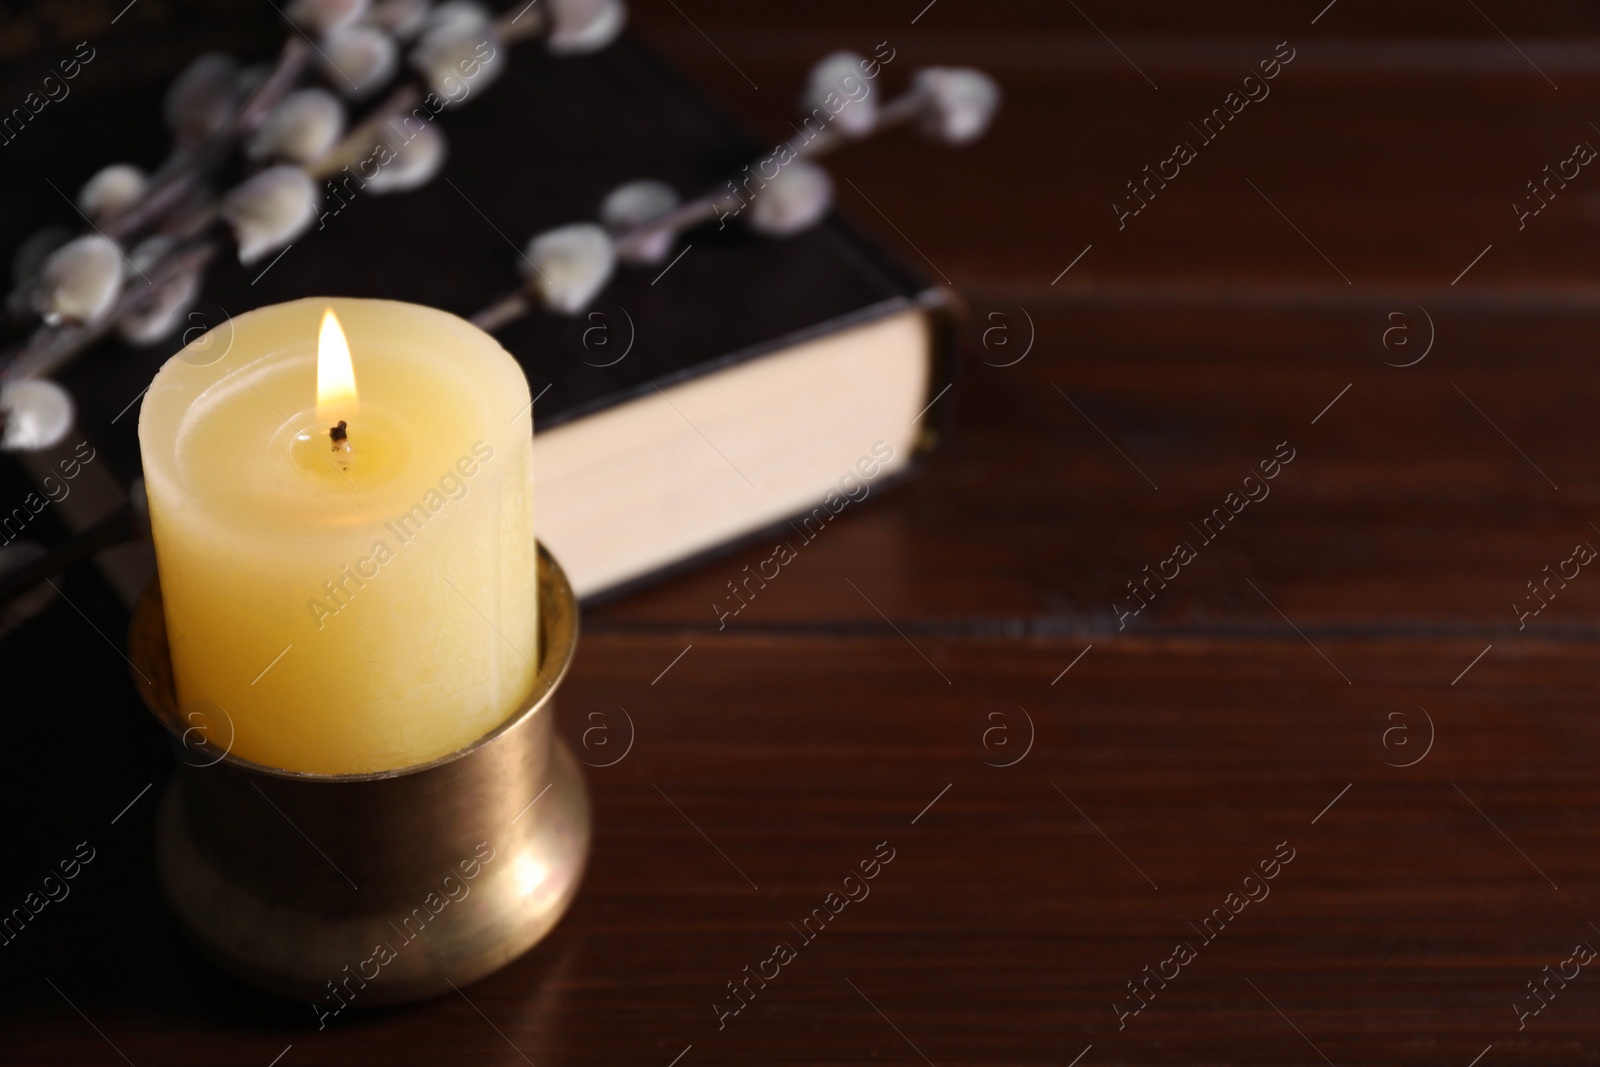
{"type": "Point", "coordinates": [336, 377]}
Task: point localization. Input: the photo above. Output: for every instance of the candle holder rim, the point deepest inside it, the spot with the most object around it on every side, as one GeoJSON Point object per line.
{"type": "Point", "coordinates": [557, 640]}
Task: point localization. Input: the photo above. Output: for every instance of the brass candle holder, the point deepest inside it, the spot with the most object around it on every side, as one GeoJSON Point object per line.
{"type": "Point", "coordinates": [353, 890]}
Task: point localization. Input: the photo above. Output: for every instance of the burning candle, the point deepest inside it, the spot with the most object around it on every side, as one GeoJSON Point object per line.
{"type": "Point", "coordinates": [341, 500]}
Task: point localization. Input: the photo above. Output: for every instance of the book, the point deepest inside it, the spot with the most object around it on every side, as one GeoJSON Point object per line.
{"type": "Point", "coordinates": [749, 383]}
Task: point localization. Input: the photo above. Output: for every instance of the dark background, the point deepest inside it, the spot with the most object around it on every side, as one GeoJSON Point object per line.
{"type": "Point", "coordinates": [1268, 680]}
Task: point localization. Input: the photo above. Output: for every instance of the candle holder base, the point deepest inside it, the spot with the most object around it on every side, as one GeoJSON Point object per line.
{"type": "Point", "coordinates": [371, 889]}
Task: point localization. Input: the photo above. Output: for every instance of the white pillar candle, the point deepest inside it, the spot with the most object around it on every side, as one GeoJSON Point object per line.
{"type": "Point", "coordinates": [344, 600]}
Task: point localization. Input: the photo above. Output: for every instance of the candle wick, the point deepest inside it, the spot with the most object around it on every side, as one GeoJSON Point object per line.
{"type": "Point", "coordinates": [340, 436]}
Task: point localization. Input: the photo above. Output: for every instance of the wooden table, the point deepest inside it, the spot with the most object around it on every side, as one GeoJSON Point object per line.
{"type": "Point", "coordinates": [1338, 675]}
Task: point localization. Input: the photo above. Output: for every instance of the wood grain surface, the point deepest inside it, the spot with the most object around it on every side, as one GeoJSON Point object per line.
{"type": "Point", "coordinates": [1341, 675]}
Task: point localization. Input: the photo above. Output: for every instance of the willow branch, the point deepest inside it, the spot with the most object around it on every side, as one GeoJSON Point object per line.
{"type": "Point", "coordinates": [52, 347]}
{"type": "Point", "coordinates": [714, 205]}
{"type": "Point", "coordinates": [359, 142]}
{"type": "Point", "coordinates": [503, 312]}
{"type": "Point", "coordinates": [182, 171]}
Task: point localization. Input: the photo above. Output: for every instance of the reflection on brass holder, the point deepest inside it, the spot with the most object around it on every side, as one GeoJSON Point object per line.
{"type": "Point", "coordinates": [366, 889]}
